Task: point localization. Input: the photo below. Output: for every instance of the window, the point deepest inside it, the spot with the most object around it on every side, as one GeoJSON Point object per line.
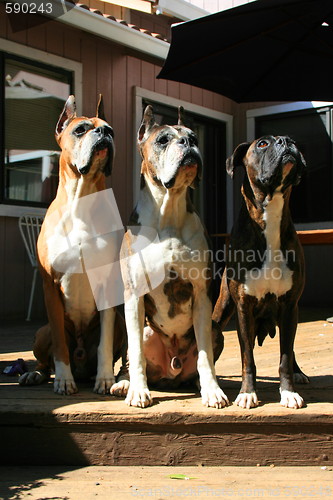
{"type": "Point", "coordinates": [312, 200]}
{"type": "Point", "coordinates": [34, 96]}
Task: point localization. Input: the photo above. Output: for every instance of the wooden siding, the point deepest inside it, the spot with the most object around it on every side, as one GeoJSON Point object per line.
{"type": "Point", "coordinates": [109, 69]}
{"type": "Point", "coordinates": [16, 275]}
{"type": "Point", "coordinates": [114, 71]}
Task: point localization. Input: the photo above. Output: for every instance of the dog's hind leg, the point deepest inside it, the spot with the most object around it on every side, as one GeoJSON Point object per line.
{"type": "Point", "coordinates": [120, 388]}
{"type": "Point", "coordinates": [43, 353]}
{"type": "Point", "coordinates": [218, 340]}
{"type": "Point", "coordinates": [225, 306]}
{"type": "Point", "coordinates": [299, 376]}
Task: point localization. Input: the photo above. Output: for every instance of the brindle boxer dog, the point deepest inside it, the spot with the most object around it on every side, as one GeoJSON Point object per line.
{"type": "Point", "coordinates": [170, 332]}
{"type": "Point", "coordinates": [78, 341]}
{"type": "Point", "coordinates": [264, 277]}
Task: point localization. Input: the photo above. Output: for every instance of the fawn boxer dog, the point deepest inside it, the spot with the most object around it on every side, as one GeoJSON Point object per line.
{"type": "Point", "coordinates": [264, 276]}
{"type": "Point", "coordinates": [171, 338]}
{"type": "Point", "coordinates": [78, 341]}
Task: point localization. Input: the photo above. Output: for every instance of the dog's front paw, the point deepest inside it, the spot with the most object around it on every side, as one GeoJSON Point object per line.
{"type": "Point", "coordinates": [63, 381]}
{"type": "Point", "coordinates": [138, 397]}
{"type": "Point", "coordinates": [120, 388]}
{"type": "Point", "coordinates": [214, 397]}
{"type": "Point", "coordinates": [64, 386]}
{"type": "Point", "coordinates": [103, 384]}
{"type": "Point", "coordinates": [247, 400]}
{"type": "Point", "coordinates": [33, 378]}
{"type": "Point", "coordinates": [291, 400]}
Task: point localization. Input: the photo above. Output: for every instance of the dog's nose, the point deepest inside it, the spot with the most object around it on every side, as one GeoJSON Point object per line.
{"type": "Point", "coordinates": [281, 141]}
{"type": "Point", "coordinates": [184, 141]}
{"type": "Point", "coordinates": [104, 130]}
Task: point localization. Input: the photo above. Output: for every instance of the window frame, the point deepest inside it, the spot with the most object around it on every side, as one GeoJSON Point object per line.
{"type": "Point", "coordinates": [38, 58]}
{"type": "Point", "coordinates": [327, 107]}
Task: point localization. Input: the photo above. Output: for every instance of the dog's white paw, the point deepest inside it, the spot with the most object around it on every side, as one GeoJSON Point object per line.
{"type": "Point", "coordinates": [291, 400]}
{"type": "Point", "coordinates": [103, 384]}
{"type": "Point", "coordinates": [301, 378]}
{"type": "Point", "coordinates": [32, 378]}
{"type": "Point", "coordinates": [138, 397]}
{"type": "Point", "coordinates": [64, 386]}
{"type": "Point", "coordinates": [63, 381]}
{"type": "Point", "coordinates": [214, 397]}
{"type": "Point", "coordinates": [120, 389]}
{"type": "Point", "coordinates": [247, 400]}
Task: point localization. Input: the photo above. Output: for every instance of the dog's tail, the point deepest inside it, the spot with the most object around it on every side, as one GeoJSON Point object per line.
{"type": "Point", "coordinates": [224, 307]}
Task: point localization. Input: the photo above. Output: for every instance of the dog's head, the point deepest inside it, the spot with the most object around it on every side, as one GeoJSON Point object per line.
{"type": "Point", "coordinates": [271, 163]}
{"type": "Point", "coordinates": [87, 143]}
{"type": "Point", "coordinates": [170, 154]}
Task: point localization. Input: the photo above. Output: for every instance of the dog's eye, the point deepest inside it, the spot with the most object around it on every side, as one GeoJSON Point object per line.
{"type": "Point", "coordinates": [80, 130]}
{"type": "Point", "coordinates": [262, 144]}
{"type": "Point", "coordinates": [163, 139]}
{"type": "Point", "coordinates": [193, 140]}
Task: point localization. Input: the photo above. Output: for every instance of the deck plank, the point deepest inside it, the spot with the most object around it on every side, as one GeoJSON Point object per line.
{"type": "Point", "coordinates": [90, 429]}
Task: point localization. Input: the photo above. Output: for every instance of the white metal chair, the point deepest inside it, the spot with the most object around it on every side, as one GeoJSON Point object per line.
{"type": "Point", "coordinates": [29, 226]}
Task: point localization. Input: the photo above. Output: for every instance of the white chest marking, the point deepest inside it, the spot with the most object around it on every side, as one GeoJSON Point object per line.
{"type": "Point", "coordinates": [66, 247]}
{"type": "Point", "coordinates": [79, 300]}
{"type": "Point", "coordinates": [168, 256]}
{"type": "Point", "coordinates": [274, 276]}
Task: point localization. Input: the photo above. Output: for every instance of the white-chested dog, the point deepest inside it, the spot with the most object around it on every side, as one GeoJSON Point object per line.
{"type": "Point", "coordinates": [264, 276]}
{"type": "Point", "coordinates": [78, 341]}
{"type": "Point", "coordinates": [170, 333]}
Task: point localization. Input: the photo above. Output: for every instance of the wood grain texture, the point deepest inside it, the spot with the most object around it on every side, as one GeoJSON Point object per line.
{"type": "Point", "coordinates": [177, 430]}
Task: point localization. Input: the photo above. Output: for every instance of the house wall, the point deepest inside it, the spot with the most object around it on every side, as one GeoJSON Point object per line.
{"type": "Point", "coordinates": [114, 71]}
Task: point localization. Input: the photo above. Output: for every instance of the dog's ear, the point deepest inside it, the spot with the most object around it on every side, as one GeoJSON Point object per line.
{"type": "Point", "coordinates": [197, 178]}
{"type": "Point", "coordinates": [237, 158]}
{"type": "Point", "coordinates": [100, 108]}
{"type": "Point", "coordinates": [301, 168]}
{"type": "Point", "coordinates": [181, 115]}
{"type": "Point", "coordinates": [148, 122]}
{"type": "Point", "coordinates": [67, 115]}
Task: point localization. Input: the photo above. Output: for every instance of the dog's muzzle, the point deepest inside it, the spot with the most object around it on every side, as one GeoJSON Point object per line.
{"type": "Point", "coordinates": [189, 160]}
{"type": "Point", "coordinates": [102, 149]}
{"type": "Point", "coordinates": [288, 166]}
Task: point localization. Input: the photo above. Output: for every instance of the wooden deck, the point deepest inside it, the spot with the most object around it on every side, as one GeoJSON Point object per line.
{"type": "Point", "coordinates": [39, 427]}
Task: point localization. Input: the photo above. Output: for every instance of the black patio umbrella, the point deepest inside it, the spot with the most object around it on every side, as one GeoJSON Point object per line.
{"type": "Point", "coordinates": [265, 50]}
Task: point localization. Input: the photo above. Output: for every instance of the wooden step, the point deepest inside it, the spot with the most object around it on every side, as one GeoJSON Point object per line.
{"type": "Point", "coordinates": [40, 428]}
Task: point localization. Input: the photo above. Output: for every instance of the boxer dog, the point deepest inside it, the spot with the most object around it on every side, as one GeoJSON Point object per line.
{"type": "Point", "coordinates": [171, 338]}
{"type": "Point", "coordinates": [264, 275]}
{"type": "Point", "coordinates": [78, 340]}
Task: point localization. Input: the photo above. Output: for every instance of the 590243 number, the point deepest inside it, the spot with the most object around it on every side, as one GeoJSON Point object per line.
{"type": "Point", "coordinates": [28, 8]}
